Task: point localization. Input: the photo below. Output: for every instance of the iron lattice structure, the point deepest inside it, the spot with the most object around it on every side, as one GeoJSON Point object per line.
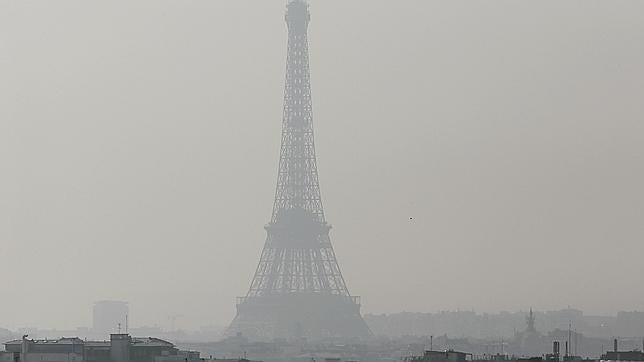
{"type": "Point", "coordinates": [298, 289]}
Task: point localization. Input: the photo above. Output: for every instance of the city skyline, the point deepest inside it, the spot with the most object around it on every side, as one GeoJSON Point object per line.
{"type": "Point", "coordinates": [458, 159]}
{"type": "Point", "coordinates": [626, 325]}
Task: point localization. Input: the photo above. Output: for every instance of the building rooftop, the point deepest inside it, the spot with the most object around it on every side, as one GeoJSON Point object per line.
{"type": "Point", "coordinates": [64, 340]}
{"type": "Point", "coordinates": [150, 341]}
{"type": "Point", "coordinates": [136, 342]}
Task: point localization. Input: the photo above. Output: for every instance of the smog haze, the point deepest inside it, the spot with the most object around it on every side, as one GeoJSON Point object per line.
{"type": "Point", "coordinates": [466, 151]}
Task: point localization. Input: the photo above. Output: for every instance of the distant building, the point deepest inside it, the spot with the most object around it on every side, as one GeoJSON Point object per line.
{"type": "Point", "coordinates": [617, 355]}
{"type": "Point", "coordinates": [630, 324]}
{"type": "Point", "coordinates": [120, 348]}
{"type": "Point", "coordinates": [108, 315]}
{"type": "Point", "coordinates": [528, 342]}
{"type": "Point", "coordinates": [623, 356]}
{"type": "Point", "coordinates": [442, 356]}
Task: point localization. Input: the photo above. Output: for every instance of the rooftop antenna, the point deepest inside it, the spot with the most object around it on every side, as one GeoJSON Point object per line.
{"type": "Point", "coordinates": [569, 329]}
{"type": "Point", "coordinates": [576, 342]}
{"type": "Point", "coordinates": [502, 347]}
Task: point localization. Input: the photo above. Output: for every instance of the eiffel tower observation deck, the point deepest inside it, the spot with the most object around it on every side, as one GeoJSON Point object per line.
{"type": "Point", "coordinates": [298, 289]}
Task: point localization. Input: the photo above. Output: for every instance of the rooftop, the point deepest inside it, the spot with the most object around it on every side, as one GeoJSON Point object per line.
{"type": "Point", "coordinates": [136, 342]}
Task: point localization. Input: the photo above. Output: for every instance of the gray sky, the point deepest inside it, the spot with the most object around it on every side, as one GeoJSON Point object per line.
{"type": "Point", "coordinates": [139, 144]}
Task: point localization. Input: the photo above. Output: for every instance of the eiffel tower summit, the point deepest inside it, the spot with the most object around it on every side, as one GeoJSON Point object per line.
{"type": "Point", "coordinates": [298, 289]}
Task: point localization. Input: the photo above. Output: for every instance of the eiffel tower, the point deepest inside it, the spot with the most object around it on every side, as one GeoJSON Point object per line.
{"type": "Point", "coordinates": [298, 289]}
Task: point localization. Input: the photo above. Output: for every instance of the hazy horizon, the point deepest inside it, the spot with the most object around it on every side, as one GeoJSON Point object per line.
{"type": "Point", "coordinates": [484, 156]}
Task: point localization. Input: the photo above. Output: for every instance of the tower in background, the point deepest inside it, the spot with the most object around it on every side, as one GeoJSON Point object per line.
{"type": "Point", "coordinates": [530, 322]}
{"type": "Point", "coordinates": [298, 289]}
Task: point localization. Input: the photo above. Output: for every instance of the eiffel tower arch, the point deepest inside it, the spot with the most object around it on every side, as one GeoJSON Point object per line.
{"type": "Point", "coordinates": [298, 289]}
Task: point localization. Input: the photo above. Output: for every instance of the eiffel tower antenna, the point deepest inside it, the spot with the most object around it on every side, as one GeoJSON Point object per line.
{"type": "Point", "coordinates": [298, 289]}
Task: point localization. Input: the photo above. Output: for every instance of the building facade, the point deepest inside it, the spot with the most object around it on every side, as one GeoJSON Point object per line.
{"type": "Point", "coordinates": [120, 348]}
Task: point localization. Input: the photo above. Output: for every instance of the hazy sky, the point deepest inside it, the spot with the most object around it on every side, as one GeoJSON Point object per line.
{"type": "Point", "coordinates": [139, 143]}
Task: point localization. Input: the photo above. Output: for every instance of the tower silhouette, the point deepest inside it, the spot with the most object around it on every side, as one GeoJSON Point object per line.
{"type": "Point", "coordinates": [530, 322]}
{"type": "Point", "coordinates": [298, 289]}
